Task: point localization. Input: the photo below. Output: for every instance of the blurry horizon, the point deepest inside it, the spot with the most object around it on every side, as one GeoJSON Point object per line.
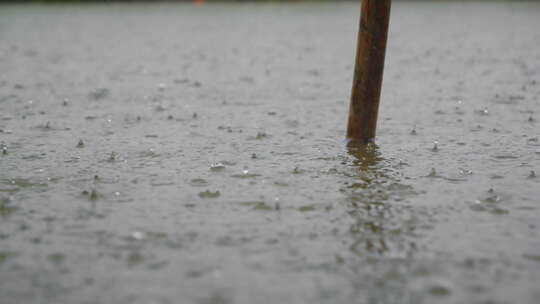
{"type": "Point", "coordinates": [210, 1]}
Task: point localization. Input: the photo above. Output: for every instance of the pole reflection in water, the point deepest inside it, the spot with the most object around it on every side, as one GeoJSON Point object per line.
{"type": "Point", "coordinates": [384, 222]}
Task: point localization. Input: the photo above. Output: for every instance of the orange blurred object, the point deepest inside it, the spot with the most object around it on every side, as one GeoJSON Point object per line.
{"type": "Point", "coordinates": [198, 2]}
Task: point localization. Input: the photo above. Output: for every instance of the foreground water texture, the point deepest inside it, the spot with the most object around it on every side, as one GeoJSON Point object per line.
{"type": "Point", "coordinates": [179, 154]}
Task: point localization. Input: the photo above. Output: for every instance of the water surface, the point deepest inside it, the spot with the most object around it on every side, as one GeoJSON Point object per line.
{"type": "Point", "coordinates": [165, 153]}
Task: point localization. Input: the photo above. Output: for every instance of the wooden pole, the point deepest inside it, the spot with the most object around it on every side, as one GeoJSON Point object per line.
{"type": "Point", "coordinates": [368, 71]}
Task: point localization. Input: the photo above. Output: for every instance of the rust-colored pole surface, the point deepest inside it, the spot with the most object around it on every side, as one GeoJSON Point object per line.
{"type": "Point", "coordinates": [368, 72]}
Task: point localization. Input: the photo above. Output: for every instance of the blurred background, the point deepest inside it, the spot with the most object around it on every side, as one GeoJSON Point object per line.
{"type": "Point", "coordinates": [205, 1]}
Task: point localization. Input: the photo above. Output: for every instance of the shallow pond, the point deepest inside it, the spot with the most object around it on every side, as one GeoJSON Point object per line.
{"type": "Point", "coordinates": [166, 153]}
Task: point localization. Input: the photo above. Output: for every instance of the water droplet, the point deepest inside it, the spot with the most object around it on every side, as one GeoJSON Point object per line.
{"type": "Point", "coordinates": [297, 170]}
{"type": "Point", "coordinates": [432, 173]}
{"type": "Point", "coordinates": [162, 86]}
{"type": "Point", "coordinates": [413, 131]}
{"type": "Point", "coordinates": [532, 174]}
{"type": "Point", "coordinates": [4, 149]}
{"type": "Point", "coordinates": [138, 235]}
{"type": "Point", "coordinates": [65, 102]}
{"type": "Point", "coordinates": [195, 115]}
{"type": "Point", "coordinates": [112, 157]}
{"type": "Point", "coordinates": [435, 146]}
{"type": "Point", "coordinates": [484, 111]}
{"type": "Point", "coordinates": [217, 167]}
{"type": "Point", "coordinates": [245, 174]}
{"type": "Point", "coordinates": [209, 194]}
{"type": "Point", "coordinates": [492, 199]}
{"type": "Point", "coordinates": [465, 172]}
{"type": "Point", "coordinates": [80, 144]}
{"type": "Point", "coordinates": [531, 118]}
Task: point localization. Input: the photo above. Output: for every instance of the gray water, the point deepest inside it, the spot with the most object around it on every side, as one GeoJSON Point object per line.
{"type": "Point", "coordinates": [166, 153]}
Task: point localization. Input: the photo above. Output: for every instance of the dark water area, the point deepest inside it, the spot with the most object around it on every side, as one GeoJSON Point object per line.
{"type": "Point", "coordinates": [167, 153]}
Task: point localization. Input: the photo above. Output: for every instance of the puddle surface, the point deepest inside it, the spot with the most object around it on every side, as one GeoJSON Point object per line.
{"type": "Point", "coordinates": [151, 153]}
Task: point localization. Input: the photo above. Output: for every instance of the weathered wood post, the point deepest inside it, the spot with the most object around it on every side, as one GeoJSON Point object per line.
{"type": "Point", "coordinates": [368, 71]}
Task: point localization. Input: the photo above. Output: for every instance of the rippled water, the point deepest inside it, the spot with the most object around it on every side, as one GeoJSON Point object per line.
{"type": "Point", "coordinates": [177, 154]}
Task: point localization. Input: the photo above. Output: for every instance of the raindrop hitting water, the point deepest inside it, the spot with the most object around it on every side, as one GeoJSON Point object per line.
{"type": "Point", "coordinates": [435, 146]}
{"type": "Point", "coordinates": [217, 167]}
{"type": "Point", "coordinates": [245, 174]}
{"type": "Point", "coordinates": [112, 157]}
{"type": "Point", "coordinates": [483, 112]}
